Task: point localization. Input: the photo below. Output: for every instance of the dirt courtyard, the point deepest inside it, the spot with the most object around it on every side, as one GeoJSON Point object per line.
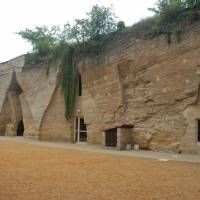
{"type": "Point", "coordinates": [44, 173]}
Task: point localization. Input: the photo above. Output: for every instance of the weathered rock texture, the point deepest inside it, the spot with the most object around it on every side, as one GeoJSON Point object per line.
{"type": "Point", "coordinates": [150, 84]}
{"type": "Point", "coordinates": [147, 83]}
{"type": "Point", "coordinates": [10, 109]}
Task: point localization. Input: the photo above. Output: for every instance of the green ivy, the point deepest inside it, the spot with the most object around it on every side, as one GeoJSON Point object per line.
{"type": "Point", "coordinates": [68, 80]}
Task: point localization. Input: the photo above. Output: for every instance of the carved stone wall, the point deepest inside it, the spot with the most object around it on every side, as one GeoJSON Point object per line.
{"type": "Point", "coordinates": [189, 140]}
{"type": "Point", "coordinates": [38, 88]}
{"type": "Point", "coordinates": [147, 83]}
{"type": "Point", "coordinates": [54, 125]}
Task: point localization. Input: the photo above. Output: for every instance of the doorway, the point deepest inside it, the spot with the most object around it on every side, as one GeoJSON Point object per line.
{"type": "Point", "coordinates": [20, 128]}
{"type": "Point", "coordinates": [80, 130]}
{"type": "Point", "coordinates": [111, 137]}
{"type": "Point", "coordinates": [198, 130]}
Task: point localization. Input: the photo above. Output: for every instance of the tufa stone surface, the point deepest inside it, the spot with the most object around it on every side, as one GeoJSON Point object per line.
{"type": "Point", "coordinates": [147, 83]}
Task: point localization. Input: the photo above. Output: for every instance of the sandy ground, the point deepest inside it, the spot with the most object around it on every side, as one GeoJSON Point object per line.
{"type": "Point", "coordinates": [43, 173]}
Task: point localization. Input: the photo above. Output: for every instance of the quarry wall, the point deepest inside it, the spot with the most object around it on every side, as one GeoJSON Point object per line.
{"type": "Point", "coordinates": [149, 84]}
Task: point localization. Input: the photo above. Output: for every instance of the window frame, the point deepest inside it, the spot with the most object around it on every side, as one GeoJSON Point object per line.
{"type": "Point", "coordinates": [78, 131]}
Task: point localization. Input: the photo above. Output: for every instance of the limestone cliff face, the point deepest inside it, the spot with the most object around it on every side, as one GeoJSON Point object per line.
{"type": "Point", "coordinates": [34, 96]}
{"type": "Point", "coordinates": [10, 113]}
{"type": "Point", "coordinates": [150, 84]}
{"type": "Point", "coordinates": [6, 73]}
{"type": "Point", "coordinates": [38, 88]}
{"type": "Point", "coordinates": [54, 126]}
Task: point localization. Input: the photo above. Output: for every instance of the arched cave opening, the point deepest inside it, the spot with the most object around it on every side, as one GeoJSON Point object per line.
{"type": "Point", "coordinates": [20, 128]}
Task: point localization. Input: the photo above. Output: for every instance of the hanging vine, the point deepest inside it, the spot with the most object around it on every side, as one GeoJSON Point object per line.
{"type": "Point", "coordinates": [68, 80]}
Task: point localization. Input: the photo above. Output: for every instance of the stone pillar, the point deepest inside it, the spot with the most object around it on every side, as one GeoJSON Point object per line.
{"type": "Point", "coordinates": [103, 139]}
{"type": "Point", "coordinates": [123, 138]}
{"type": "Point", "coordinates": [31, 129]}
{"type": "Point", "coordinates": [16, 114]}
{"type": "Point", "coordinates": [10, 130]}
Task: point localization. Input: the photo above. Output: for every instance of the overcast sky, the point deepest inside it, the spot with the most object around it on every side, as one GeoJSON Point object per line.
{"type": "Point", "coordinates": [16, 15]}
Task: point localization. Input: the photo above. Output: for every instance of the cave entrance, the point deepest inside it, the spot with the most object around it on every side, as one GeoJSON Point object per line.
{"type": "Point", "coordinates": [198, 130]}
{"type": "Point", "coordinates": [111, 137]}
{"type": "Point", "coordinates": [20, 128]}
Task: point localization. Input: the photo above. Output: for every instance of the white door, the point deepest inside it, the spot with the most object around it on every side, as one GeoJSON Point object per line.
{"type": "Point", "coordinates": [80, 130]}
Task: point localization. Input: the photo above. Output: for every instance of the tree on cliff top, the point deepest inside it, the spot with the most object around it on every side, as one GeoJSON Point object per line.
{"type": "Point", "coordinates": [98, 22]}
{"type": "Point", "coordinates": [172, 16]}
{"type": "Point", "coordinates": [42, 39]}
{"type": "Point", "coordinates": [171, 11]}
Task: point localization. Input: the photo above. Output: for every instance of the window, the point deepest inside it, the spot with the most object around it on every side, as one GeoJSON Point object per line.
{"type": "Point", "coordinates": [198, 130]}
{"type": "Point", "coordinates": [80, 130]}
{"type": "Point", "coordinates": [79, 85]}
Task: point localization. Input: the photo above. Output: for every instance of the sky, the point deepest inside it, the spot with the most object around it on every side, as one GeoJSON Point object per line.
{"type": "Point", "coordinates": [16, 15]}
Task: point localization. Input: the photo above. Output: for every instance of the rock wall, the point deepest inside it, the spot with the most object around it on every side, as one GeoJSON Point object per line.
{"type": "Point", "coordinates": [10, 111]}
{"type": "Point", "coordinates": [147, 83]}
{"type": "Point", "coordinates": [25, 95]}
{"type": "Point", "coordinates": [5, 117]}
{"type": "Point", "coordinates": [54, 125]}
{"type": "Point", "coordinates": [15, 114]}
{"type": "Point", "coordinates": [38, 88]}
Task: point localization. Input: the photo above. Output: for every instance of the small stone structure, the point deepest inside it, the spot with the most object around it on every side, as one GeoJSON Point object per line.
{"type": "Point", "coordinates": [148, 83]}
{"type": "Point", "coordinates": [123, 136]}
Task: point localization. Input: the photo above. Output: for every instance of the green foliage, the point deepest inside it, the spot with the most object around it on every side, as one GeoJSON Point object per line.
{"type": "Point", "coordinates": [121, 26]}
{"type": "Point", "coordinates": [77, 32]}
{"type": "Point", "coordinates": [46, 44]}
{"type": "Point", "coordinates": [172, 14]}
{"type": "Point", "coordinates": [99, 21]}
{"type": "Point", "coordinates": [85, 36]}
{"type": "Point", "coordinates": [68, 80]}
{"type": "Point", "coordinates": [102, 21]}
{"type": "Point", "coordinates": [146, 28]}
{"type": "Point", "coordinates": [42, 39]}
{"type": "Point", "coordinates": [171, 11]}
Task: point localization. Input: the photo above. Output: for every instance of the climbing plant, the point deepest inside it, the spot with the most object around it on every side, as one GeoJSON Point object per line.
{"type": "Point", "coordinates": [68, 79]}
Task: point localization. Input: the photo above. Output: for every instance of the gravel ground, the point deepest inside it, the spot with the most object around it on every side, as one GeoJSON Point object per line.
{"type": "Point", "coordinates": [30, 172]}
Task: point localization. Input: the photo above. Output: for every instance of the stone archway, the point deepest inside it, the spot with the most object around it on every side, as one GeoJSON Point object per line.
{"type": "Point", "coordinates": [12, 109]}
